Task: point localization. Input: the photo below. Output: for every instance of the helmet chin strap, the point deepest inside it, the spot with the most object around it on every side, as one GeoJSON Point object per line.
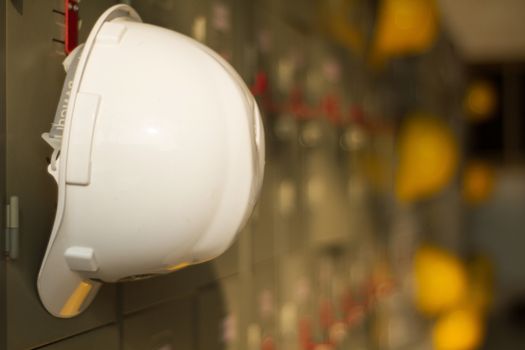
{"type": "Point", "coordinates": [54, 136]}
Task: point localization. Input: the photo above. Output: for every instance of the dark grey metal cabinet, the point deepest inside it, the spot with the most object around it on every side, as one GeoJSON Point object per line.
{"type": "Point", "coordinates": [106, 338]}
{"type": "Point", "coordinates": [3, 304]}
{"type": "Point", "coordinates": [165, 326]}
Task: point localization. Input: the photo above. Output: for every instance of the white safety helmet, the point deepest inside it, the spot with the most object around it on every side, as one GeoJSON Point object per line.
{"type": "Point", "coordinates": [159, 159]}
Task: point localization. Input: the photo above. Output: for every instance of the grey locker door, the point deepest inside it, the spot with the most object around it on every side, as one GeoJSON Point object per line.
{"type": "Point", "coordinates": [170, 325]}
{"type": "Point", "coordinates": [106, 338]}
{"type": "Point", "coordinates": [2, 176]}
{"type": "Point", "coordinates": [34, 76]}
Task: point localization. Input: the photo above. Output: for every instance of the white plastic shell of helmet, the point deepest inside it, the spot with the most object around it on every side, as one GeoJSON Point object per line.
{"type": "Point", "coordinates": [161, 161]}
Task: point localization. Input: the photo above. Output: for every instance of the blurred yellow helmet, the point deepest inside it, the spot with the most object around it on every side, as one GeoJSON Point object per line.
{"type": "Point", "coordinates": [478, 182]}
{"type": "Point", "coordinates": [404, 27]}
{"type": "Point", "coordinates": [458, 329]}
{"type": "Point", "coordinates": [440, 280]}
{"type": "Point", "coordinates": [480, 100]}
{"type": "Point", "coordinates": [428, 157]}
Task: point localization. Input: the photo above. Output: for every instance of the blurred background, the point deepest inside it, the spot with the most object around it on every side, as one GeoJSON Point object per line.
{"type": "Point", "coordinates": [392, 213]}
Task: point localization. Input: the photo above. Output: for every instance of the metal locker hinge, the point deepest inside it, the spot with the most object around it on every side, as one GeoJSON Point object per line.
{"type": "Point", "coordinates": [11, 228]}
